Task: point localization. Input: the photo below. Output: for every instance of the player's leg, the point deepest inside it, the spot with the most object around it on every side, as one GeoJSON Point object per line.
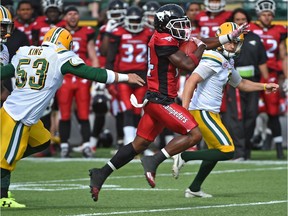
{"type": "Point", "coordinates": [178, 120]}
{"type": "Point", "coordinates": [83, 98]}
{"type": "Point", "coordinates": [129, 129]}
{"type": "Point", "coordinates": [220, 147]}
{"type": "Point", "coordinates": [150, 129]}
{"type": "Point", "coordinates": [64, 99]}
{"type": "Point", "coordinates": [14, 138]}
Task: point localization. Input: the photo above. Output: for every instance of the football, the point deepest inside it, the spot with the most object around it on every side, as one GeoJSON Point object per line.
{"type": "Point", "coordinates": [188, 47]}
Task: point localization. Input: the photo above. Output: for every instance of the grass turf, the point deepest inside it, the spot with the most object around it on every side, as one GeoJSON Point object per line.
{"type": "Point", "coordinates": [53, 186]}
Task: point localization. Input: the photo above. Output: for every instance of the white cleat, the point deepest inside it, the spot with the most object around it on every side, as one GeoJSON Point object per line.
{"type": "Point", "coordinates": [177, 165]}
{"type": "Point", "coordinates": [78, 149]}
{"type": "Point", "coordinates": [200, 194]}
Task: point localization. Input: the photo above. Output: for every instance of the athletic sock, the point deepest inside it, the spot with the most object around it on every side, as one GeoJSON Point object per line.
{"type": "Point", "coordinates": [204, 170]}
{"type": "Point", "coordinates": [123, 156]}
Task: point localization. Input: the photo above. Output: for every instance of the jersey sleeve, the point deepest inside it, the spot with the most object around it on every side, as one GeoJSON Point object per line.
{"type": "Point", "coordinates": [209, 59]}
{"type": "Point", "coordinates": [235, 78]}
{"type": "Point", "coordinates": [85, 72]}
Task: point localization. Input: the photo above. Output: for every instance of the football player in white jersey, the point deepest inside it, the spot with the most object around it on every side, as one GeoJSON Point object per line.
{"type": "Point", "coordinates": [39, 72]}
{"type": "Point", "coordinates": [6, 25]}
{"type": "Point", "coordinates": [205, 86]}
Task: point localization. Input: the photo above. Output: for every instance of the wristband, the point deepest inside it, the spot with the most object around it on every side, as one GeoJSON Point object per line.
{"type": "Point", "coordinates": [194, 58]}
{"type": "Point", "coordinates": [264, 87]}
{"type": "Point", "coordinates": [223, 39]}
{"type": "Point", "coordinates": [123, 77]}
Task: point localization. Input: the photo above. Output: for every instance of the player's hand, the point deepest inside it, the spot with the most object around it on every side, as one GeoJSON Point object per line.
{"type": "Point", "coordinates": [271, 87]}
{"type": "Point", "coordinates": [111, 25]}
{"type": "Point", "coordinates": [135, 79]}
{"type": "Point", "coordinates": [197, 41]}
{"type": "Point", "coordinates": [243, 29]}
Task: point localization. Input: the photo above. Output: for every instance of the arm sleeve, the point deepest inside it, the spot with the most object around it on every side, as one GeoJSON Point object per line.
{"type": "Point", "coordinates": [7, 71]}
{"type": "Point", "coordinates": [86, 72]}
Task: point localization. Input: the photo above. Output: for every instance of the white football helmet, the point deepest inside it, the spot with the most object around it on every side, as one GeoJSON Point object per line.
{"type": "Point", "coordinates": [265, 5]}
{"type": "Point", "coordinates": [52, 3]}
{"type": "Point", "coordinates": [214, 6]}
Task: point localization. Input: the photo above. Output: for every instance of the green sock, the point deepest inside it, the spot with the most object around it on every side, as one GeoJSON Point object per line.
{"type": "Point", "coordinates": [5, 182]}
{"type": "Point", "coordinates": [207, 154]}
{"type": "Point", "coordinates": [204, 170]}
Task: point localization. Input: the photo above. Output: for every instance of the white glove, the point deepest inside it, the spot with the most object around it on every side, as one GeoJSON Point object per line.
{"type": "Point", "coordinates": [111, 25]}
{"type": "Point", "coordinates": [243, 29]}
{"type": "Point", "coordinates": [197, 41]}
{"type": "Point", "coordinates": [4, 55]}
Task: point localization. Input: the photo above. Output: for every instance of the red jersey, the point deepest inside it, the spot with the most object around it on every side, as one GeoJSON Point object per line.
{"type": "Point", "coordinates": [81, 37]}
{"type": "Point", "coordinates": [271, 39]}
{"type": "Point", "coordinates": [209, 24]}
{"type": "Point", "coordinates": [24, 27]}
{"type": "Point", "coordinates": [41, 26]}
{"type": "Point", "coordinates": [162, 76]}
{"type": "Point", "coordinates": [131, 49]}
{"type": "Point", "coordinates": [101, 58]}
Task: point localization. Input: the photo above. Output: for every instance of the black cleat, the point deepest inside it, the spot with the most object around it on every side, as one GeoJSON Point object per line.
{"type": "Point", "coordinates": [149, 170]}
{"type": "Point", "coordinates": [96, 181]}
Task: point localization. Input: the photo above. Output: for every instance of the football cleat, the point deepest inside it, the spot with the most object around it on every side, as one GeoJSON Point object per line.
{"type": "Point", "coordinates": [200, 194]}
{"type": "Point", "coordinates": [177, 165]}
{"type": "Point", "coordinates": [96, 181]}
{"type": "Point", "coordinates": [10, 203]}
{"type": "Point", "coordinates": [149, 170]}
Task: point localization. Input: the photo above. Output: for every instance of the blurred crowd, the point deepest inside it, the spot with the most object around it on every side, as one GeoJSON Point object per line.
{"type": "Point", "coordinates": [119, 43]}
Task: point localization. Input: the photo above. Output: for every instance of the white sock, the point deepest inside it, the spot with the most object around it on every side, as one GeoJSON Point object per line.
{"type": "Point", "coordinates": [64, 145]}
{"type": "Point", "coordinates": [93, 142]}
{"type": "Point", "coordinates": [129, 134]}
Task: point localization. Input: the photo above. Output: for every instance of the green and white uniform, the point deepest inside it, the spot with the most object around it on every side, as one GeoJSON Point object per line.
{"type": "Point", "coordinates": [216, 71]}
{"type": "Point", "coordinates": [39, 73]}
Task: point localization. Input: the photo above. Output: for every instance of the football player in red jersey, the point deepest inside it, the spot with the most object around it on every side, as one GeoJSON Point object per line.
{"type": "Point", "coordinates": [271, 35]}
{"type": "Point", "coordinates": [192, 10]}
{"type": "Point", "coordinates": [53, 17]}
{"type": "Point", "coordinates": [160, 109]}
{"type": "Point", "coordinates": [115, 15]}
{"type": "Point", "coordinates": [212, 17]}
{"type": "Point", "coordinates": [24, 18]}
{"type": "Point", "coordinates": [150, 9]}
{"type": "Point", "coordinates": [129, 44]}
{"type": "Point", "coordinates": [76, 87]}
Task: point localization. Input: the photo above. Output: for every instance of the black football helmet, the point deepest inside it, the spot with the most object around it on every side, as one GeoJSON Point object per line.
{"type": "Point", "coordinates": [133, 21]}
{"type": "Point", "coordinates": [116, 10]}
{"type": "Point", "coordinates": [170, 18]}
{"type": "Point", "coordinates": [150, 9]}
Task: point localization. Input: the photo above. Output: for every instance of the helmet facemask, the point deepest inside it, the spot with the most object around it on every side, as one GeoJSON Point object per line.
{"type": "Point", "coordinates": [214, 7]}
{"type": "Point", "coordinates": [180, 28]}
{"type": "Point", "coordinates": [117, 15]}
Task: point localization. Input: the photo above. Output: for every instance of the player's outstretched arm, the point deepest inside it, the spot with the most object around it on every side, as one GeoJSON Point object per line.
{"type": "Point", "coordinates": [215, 42]}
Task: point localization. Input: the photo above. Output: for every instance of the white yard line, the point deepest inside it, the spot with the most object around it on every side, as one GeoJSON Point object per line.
{"type": "Point", "coordinates": [64, 160]}
{"type": "Point", "coordinates": [183, 209]}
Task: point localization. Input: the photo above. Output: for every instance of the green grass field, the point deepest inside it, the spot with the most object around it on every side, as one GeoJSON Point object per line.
{"type": "Point", "coordinates": [54, 186]}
